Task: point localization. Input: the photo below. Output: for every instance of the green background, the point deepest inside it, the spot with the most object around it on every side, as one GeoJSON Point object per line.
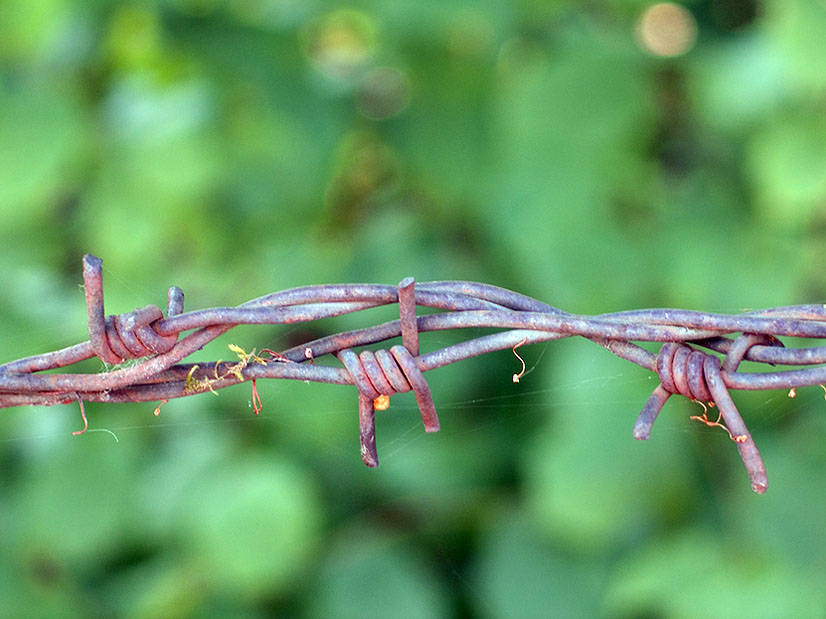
{"type": "Point", "coordinates": [239, 147]}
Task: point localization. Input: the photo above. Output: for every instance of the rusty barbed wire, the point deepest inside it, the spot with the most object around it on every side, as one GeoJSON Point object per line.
{"type": "Point", "coordinates": [158, 345]}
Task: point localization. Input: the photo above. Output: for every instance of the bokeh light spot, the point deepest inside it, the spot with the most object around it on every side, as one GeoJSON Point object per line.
{"type": "Point", "coordinates": [666, 29]}
{"type": "Point", "coordinates": [342, 44]}
{"type": "Point", "coordinates": [383, 93]}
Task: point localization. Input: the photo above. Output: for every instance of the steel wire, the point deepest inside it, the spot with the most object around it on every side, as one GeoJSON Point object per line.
{"type": "Point", "coordinates": [686, 363]}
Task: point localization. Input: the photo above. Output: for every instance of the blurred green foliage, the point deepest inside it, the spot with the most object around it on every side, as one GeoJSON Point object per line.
{"type": "Point", "coordinates": [236, 147]}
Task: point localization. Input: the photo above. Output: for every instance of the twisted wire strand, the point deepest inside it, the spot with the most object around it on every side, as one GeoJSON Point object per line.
{"type": "Point", "coordinates": [686, 364]}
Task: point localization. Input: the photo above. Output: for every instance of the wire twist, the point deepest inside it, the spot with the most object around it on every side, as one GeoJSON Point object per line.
{"type": "Point", "coordinates": [386, 372]}
{"type": "Point", "coordinates": [697, 376]}
{"type": "Point", "coordinates": [132, 335]}
{"type": "Point", "coordinates": [160, 345]}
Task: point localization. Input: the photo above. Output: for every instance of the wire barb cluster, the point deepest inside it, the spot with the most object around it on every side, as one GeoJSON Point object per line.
{"type": "Point", "coordinates": [385, 373]}
{"type": "Point", "coordinates": [686, 363]}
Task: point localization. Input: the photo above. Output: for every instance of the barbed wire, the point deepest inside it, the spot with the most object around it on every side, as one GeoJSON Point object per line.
{"type": "Point", "coordinates": [159, 344]}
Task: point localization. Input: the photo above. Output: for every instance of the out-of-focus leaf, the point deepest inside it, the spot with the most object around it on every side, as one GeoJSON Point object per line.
{"type": "Point", "coordinates": [71, 506]}
{"type": "Point", "coordinates": [786, 162]}
{"type": "Point", "coordinates": [584, 464]}
{"type": "Point", "coordinates": [738, 83]}
{"type": "Point", "coordinates": [519, 575]}
{"type": "Point", "coordinates": [563, 124]}
{"type": "Point", "coordinates": [250, 525]}
{"type": "Point", "coordinates": [367, 574]}
{"type": "Point", "coordinates": [41, 142]}
{"type": "Point", "coordinates": [698, 572]}
{"type": "Point", "coordinates": [796, 28]}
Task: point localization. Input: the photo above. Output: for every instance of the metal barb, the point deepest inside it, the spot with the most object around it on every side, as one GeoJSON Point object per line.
{"type": "Point", "coordinates": [685, 365]}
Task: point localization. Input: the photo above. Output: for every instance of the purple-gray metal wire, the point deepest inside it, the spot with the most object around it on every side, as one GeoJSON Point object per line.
{"type": "Point", "coordinates": [157, 344]}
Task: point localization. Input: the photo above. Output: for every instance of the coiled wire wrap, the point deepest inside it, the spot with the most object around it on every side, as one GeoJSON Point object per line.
{"type": "Point", "coordinates": [115, 339]}
{"type": "Point", "coordinates": [696, 375]}
{"type": "Point", "coordinates": [386, 372]}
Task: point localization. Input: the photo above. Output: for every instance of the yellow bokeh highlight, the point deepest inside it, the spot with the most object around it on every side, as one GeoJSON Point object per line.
{"type": "Point", "coordinates": [666, 29]}
{"type": "Point", "coordinates": [342, 43]}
